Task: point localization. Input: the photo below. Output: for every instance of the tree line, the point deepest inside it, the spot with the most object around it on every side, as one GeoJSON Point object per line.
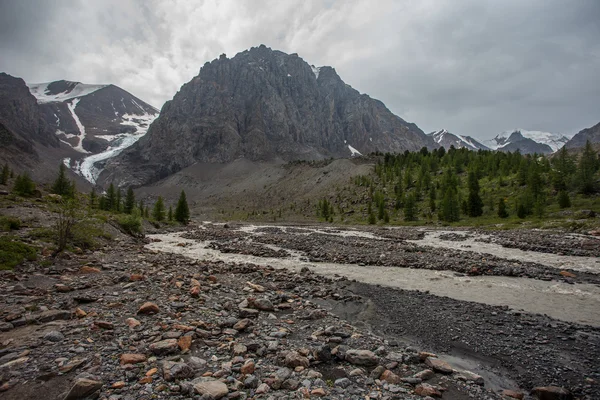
{"type": "Point", "coordinates": [450, 185]}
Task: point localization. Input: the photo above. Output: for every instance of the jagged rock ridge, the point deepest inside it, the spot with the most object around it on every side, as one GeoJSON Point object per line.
{"type": "Point", "coordinates": [446, 139]}
{"type": "Point", "coordinates": [527, 142]}
{"type": "Point", "coordinates": [263, 105]}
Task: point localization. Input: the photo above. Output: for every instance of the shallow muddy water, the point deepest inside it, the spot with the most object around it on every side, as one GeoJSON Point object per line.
{"type": "Point", "coordinates": [568, 302]}
{"type": "Point", "coordinates": [470, 243]}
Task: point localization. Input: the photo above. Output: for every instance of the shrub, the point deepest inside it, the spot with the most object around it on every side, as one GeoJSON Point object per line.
{"type": "Point", "coordinates": [12, 252]}
{"type": "Point", "coordinates": [131, 223]}
{"type": "Point", "coordinates": [9, 223]}
{"type": "Point", "coordinates": [24, 186]}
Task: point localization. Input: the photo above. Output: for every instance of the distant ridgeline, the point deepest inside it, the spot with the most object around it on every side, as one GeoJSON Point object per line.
{"type": "Point", "coordinates": [460, 184]}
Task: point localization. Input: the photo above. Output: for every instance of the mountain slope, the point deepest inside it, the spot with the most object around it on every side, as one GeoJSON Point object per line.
{"type": "Point", "coordinates": [592, 134]}
{"type": "Point", "coordinates": [97, 121]}
{"type": "Point", "coordinates": [527, 142]}
{"type": "Point", "coordinates": [263, 105]}
{"type": "Point", "coordinates": [446, 139]}
{"type": "Point", "coordinates": [22, 127]}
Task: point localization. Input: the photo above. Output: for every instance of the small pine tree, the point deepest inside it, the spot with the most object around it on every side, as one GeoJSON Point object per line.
{"type": "Point", "coordinates": [118, 205]}
{"type": "Point", "coordinates": [4, 175]}
{"type": "Point", "coordinates": [410, 212]}
{"type": "Point", "coordinates": [432, 198]}
{"type": "Point", "coordinates": [450, 208]}
{"type": "Point", "coordinates": [502, 211]}
{"type": "Point", "coordinates": [62, 185]}
{"type": "Point", "coordinates": [24, 186]}
{"type": "Point", "coordinates": [474, 202]}
{"type": "Point", "coordinates": [563, 199]}
{"type": "Point", "coordinates": [170, 214]}
{"type": "Point", "coordinates": [372, 219]}
{"type": "Point", "coordinates": [141, 208]}
{"type": "Point", "coordinates": [147, 212]}
{"type": "Point", "coordinates": [182, 211]}
{"type": "Point", "coordinates": [93, 198]}
{"type": "Point", "coordinates": [158, 212]}
{"type": "Point", "coordinates": [110, 201]}
{"type": "Point", "coordinates": [129, 201]}
{"type": "Point", "coordinates": [380, 210]}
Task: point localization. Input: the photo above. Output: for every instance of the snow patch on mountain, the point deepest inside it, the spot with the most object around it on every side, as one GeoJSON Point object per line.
{"type": "Point", "coordinates": [71, 106]}
{"type": "Point", "coordinates": [447, 139]}
{"type": "Point", "coordinates": [315, 70]}
{"type": "Point", "coordinates": [91, 166]}
{"type": "Point", "coordinates": [44, 95]}
{"type": "Point", "coordinates": [353, 151]}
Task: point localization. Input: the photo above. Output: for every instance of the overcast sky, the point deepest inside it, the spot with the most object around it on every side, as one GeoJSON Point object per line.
{"type": "Point", "coordinates": [474, 67]}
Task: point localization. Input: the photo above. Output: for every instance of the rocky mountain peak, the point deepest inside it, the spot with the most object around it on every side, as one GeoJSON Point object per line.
{"type": "Point", "coordinates": [263, 104]}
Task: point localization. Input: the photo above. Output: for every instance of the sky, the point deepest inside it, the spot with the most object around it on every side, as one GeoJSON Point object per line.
{"type": "Point", "coordinates": [473, 67]}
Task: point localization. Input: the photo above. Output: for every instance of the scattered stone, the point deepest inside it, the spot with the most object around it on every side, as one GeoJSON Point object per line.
{"type": "Point", "coordinates": [390, 377]}
{"type": "Point", "coordinates": [148, 308]}
{"type": "Point", "coordinates": [184, 343]}
{"type": "Point", "coordinates": [83, 388]}
{"type": "Point", "coordinates": [551, 393]}
{"type": "Point", "coordinates": [86, 269]}
{"type": "Point", "coordinates": [212, 388]}
{"type": "Point", "coordinates": [176, 370]}
{"type": "Point", "coordinates": [425, 389]}
{"type": "Point", "coordinates": [54, 336]}
{"type": "Point", "coordinates": [438, 365]}
{"type": "Point", "coordinates": [167, 346]}
{"type": "Point", "coordinates": [514, 394]}
{"type": "Point", "coordinates": [361, 357]}
{"type": "Point", "coordinates": [104, 325]}
{"type": "Point", "coordinates": [294, 359]}
{"type": "Point", "coordinates": [132, 322]}
{"type": "Point", "coordinates": [132, 358]}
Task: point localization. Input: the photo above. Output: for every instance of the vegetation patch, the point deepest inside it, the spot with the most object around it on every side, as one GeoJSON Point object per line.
{"type": "Point", "coordinates": [13, 252]}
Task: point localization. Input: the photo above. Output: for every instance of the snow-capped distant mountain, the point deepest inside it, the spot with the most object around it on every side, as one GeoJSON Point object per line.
{"type": "Point", "coordinates": [446, 139]}
{"type": "Point", "coordinates": [527, 142]}
{"type": "Point", "coordinates": [98, 121]}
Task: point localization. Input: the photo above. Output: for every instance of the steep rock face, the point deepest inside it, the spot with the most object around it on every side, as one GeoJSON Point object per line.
{"type": "Point", "coordinates": [592, 134]}
{"type": "Point", "coordinates": [446, 139]}
{"type": "Point", "coordinates": [263, 105]}
{"type": "Point", "coordinates": [21, 125]}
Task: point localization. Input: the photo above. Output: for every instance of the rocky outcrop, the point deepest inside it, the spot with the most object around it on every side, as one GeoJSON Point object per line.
{"type": "Point", "coordinates": [578, 141]}
{"type": "Point", "coordinates": [263, 105]}
{"type": "Point", "coordinates": [21, 125]}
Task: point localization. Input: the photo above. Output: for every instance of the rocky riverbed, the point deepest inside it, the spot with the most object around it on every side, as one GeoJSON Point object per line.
{"type": "Point", "coordinates": [172, 316]}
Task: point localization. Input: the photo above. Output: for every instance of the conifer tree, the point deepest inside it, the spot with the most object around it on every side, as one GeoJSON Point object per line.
{"type": "Point", "coordinates": [118, 205]}
{"type": "Point", "coordinates": [170, 214]}
{"type": "Point", "coordinates": [182, 211]}
{"type": "Point", "coordinates": [110, 200]}
{"type": "Point", "coordinates": [62, 185]}
{"type": "Point", "coordinates": [563, 199]}
{"type": "Point", "coordinates": [93, 198]}
{"type": "Point", "coordinates": [158, 212]}
{"type": "Point", "coordinates": [450, 207]}
{"type": "Point", "coordinates": [474, 202]}
{"type": "Point", "coordinates": [432, 199]}
{"type": "Point", "coordinates": [129, 201]}
{"type": "Point", "coordinates": [410, 213]}
{"type": "Point", "coordinates": [502, 212]}
{"type": "Point", "coordinates": [24, 186]}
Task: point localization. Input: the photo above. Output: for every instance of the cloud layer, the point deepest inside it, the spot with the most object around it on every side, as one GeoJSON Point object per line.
{"type": "Point", "coordinates": [473, 67]}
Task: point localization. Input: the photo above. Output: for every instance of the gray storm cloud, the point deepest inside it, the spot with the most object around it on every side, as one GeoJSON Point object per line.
{"type": "Point", "coordinates": [473, 67]}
